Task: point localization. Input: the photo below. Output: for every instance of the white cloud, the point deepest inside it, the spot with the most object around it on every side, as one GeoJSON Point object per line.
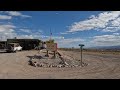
{"type": "Point", "coordinates": [100, 21]}
{"type": "Point", "coordinates": [16, 13]}
{"type": "Point", "coordinates": [42, 36]}
{"type": "Point", "coordinates": [63, 33]}
{"type": "Point", "coordinates": [111, 29]}
{"type": "Point", "coordinates": [7, 31]}
{"type": "Point", "coordinates": [3, 17]}
{"type": "Point", "coordinates": [116, 22]}
{"type": "Point", "coordinates": [70, 42]}
{"type": "Point", "coordinates": [106, 40]}
{"type": "Point", "coordinates": [57, 37]}
{"type": "Point", "coordinates": [5, 36]}
{"type": "Point", "coordinates": [25, 30]}
{"type": "Point", "coordinates": [40, 31]}
{"type": "Point", "coordinates": [53, 37]}
{"type": "Point", "coordinates": [67, 32]}
{"type": "Point", "coordinates": [25, 36]}
{"type": "Point", "coordinates": [116, 33]}
{"type": "Point", "coordinates": [7, 28]}
{"type": "Point", "coordinates": [56, 13]}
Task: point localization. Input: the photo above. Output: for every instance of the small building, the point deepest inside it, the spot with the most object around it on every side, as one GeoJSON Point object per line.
{"type": "Point", "coordinates": [3, 44]}
{"type": "Point", "coordinates": [27, 44]}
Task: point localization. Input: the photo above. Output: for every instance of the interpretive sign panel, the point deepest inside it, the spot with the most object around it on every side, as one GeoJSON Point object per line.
{"type": "Point", "coordinates": [51, 46]}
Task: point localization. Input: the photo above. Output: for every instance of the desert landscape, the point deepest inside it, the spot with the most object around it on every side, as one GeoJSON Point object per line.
{"type": "Point", "coordinates": [60, 45]}
{"type": "Point", "coordinates": [100, 66]}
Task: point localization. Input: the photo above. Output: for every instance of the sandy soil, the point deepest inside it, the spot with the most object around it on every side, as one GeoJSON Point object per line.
{"type": "Point", "coordinates": [100, 66]}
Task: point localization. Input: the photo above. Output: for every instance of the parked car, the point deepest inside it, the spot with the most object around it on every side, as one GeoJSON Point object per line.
{"type": "Point", "coordinates": [13, 47]}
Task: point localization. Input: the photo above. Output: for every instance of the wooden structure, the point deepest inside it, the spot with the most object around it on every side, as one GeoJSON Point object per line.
{"type": "Point", "coordinates": [51, 47]}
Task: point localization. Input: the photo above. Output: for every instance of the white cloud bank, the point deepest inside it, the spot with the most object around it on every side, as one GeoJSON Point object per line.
{"type": "Point", "coordinates": [5, 17]}
{"type": "Point", "coordinates": [7, 31]}
{"type": "Point", "coordinates": [25, 30]}
{"type": "Point", "coordinates": [69, 42]}
{"type": "Point", "coordinates": [7, 28]}
{"type": "Point", "coordinates": [16, 13]}
{"type": "Point", "coordinates": [106, 40]}
{"type": "Point", "coordinates": [106, 21]}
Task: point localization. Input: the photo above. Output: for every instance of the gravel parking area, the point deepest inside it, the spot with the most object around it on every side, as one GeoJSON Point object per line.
{"type": "Point", "coordinates": [15, 66]}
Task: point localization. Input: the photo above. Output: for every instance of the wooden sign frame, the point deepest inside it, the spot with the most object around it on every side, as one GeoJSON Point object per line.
{"type": "Point", "coordinates": [51, 46]}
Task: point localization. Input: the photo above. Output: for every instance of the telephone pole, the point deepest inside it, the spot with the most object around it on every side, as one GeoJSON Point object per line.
{"type": "Point", "coordinates": [50, 34]}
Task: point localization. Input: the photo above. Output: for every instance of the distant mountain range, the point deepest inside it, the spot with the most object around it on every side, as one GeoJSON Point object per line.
{"type": "Point", "coordinates": [107, 47]}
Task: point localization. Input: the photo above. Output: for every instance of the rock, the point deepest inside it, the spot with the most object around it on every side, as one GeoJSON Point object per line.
{"type": "Point", "coordinates": [60, 62]}
{"type": "Point", "coordinates": [38, 65]}
{"type": "Point", "coordinates": [50, 65]}
{"type": "Point", "coordinates": [46, 65]}
{"type": "Point", "coordinates": [66, 63]}
{"type": "Point", "coordinates": [46, 55]}
{"type": "Point", "coordinates": [42, 64]}
{"type": "Point", "coordinates": [73, 65]}
{"type": "Point", "coordinates": [66, 66]}
{"type": "Point", "coordinates": [86, 64]}
{"type": "Point", "coordinates": [76, 65]}
{"type": "Point", "coordinates": [31, 63]}
{"type": "Point", "coordinates": [35, 64]}
{"type": "Point", "coordinates": [55, 65]}
{"type": "Point", "coordinates": [59, 66]}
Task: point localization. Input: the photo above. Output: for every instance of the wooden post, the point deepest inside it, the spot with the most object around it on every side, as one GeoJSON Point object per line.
{"type": "Point", "coordinates": [54, 54]}
{"type": "Point", "coordinates": [47, 53]}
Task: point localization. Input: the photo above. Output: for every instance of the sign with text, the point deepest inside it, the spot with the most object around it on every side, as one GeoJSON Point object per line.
{"type": "Point", "coordinates": [51, 46]}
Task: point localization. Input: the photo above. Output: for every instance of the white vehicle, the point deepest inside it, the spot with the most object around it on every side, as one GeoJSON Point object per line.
{"type": "Point", "coordinates": [13, 47]}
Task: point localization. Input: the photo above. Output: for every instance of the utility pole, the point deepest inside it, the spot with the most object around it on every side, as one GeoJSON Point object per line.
{"type": "Point", "coordinates": [81, 45]}
{"type": "Point", "coordinates": [50, 34]}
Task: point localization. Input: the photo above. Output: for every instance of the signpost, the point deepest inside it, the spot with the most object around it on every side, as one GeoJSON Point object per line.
{"type": "Point", "coordinates": [52, 47]}
{"type": "Point", "coordinates": [81, 45]}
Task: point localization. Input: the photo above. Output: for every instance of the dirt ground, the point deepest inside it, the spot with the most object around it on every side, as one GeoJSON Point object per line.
{"type": "Point", "coordinates": [100, 66]}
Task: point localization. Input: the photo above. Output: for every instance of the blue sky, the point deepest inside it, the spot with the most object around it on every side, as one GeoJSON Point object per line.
{"type": "Point", "coordinates": [69, 28]}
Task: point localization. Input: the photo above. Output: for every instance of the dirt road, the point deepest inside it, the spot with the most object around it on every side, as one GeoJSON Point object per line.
{"type": "Point", "coordinates": [15, 66]}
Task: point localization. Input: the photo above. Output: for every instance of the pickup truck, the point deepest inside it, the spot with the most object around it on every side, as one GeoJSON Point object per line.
{"type": "Point", "coordinates": [13, 47]}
